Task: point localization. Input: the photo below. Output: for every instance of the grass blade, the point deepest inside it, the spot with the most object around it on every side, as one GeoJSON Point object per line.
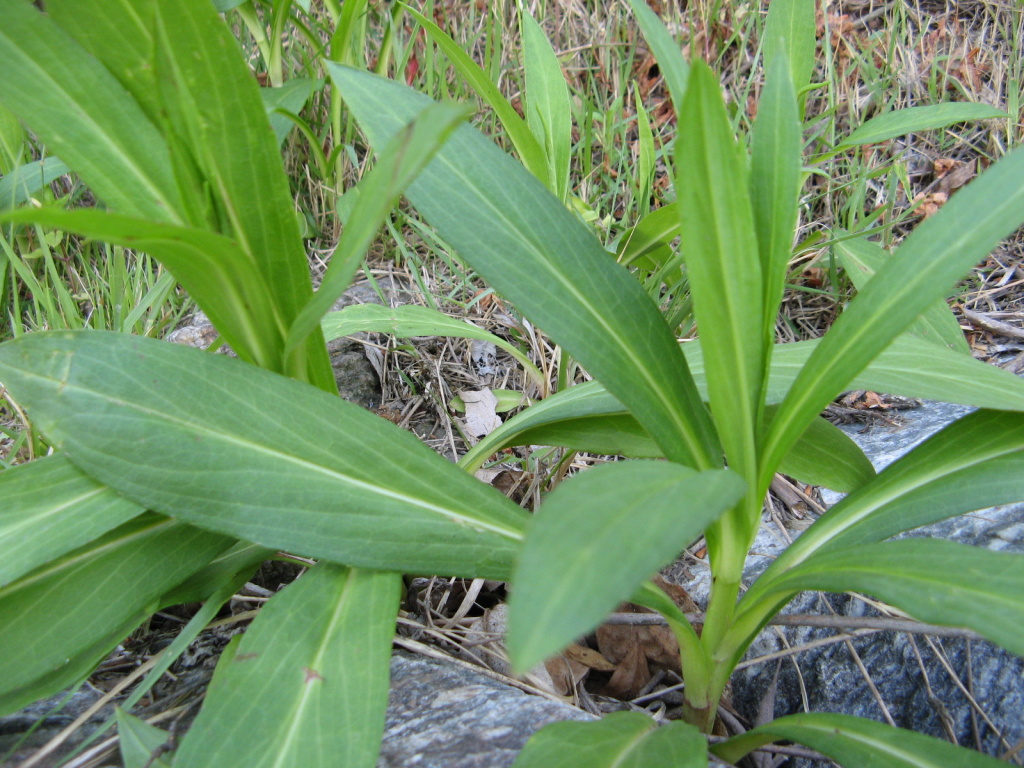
{"type": "Point", "coordinates": [308, 684]}
{"type": "Point", "coordinates": [189, 434]}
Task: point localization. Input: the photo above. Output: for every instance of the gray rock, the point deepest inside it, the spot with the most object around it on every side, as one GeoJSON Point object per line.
{"type": "Point", "coordinates": [923, 684]}
{"type": "Point", "coordinates": [445, 716]}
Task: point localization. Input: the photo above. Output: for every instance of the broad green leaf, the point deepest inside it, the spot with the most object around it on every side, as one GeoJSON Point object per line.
{"type": "Point", "coordinates": [400, 162]}
{"type": "Point", "coordinates": [667, 51]}
{"type": "Point", "coordinates": [50, 508]}
{"type": "Point", "coordinates": [618, 740]}
{"type": "Point", "coordinates": [825, 455]}
{"type": "Point", "coordinates": [83, 114]}
{"type": "Point", "coordinates": [308, 684]}
{"type": "Point", "coordinates": [216, 272]}
{"type": "Point", "coordinates": [236, 449]}
{"type": "Point", "coordinates": [925, 267]}
{"type": "Point", "coordinates": [141, 743]}
{"type": "Point", "coordinates": [935, 581]}
{"type": "Point", "coordinates": [653, 232]}
{"type": "Point", "coordinates": [775, 177]}
{"type": "Point", "coordinates": [62, 618]}
{"type": "Point", "coordinates": [720, 248]}
{"type": "Point", "coordinates": [537, 254]}
{"type": "Point", "coordinates": [974, 463]}
{"type": "Point", "coordinates": [790, 29]}
{"type": "Point", "coordinates": [120, 34]}
{"type": "Point", "coordinates": [291, 97]}
{"type": "Point", "coordinates": [213, 103]}
{"type": "Point", "coordinates": [862, 259]}
{"type": "Point", "coordinates": [912, 119]}
{"type": "Point", "coordinates": [910, 367]}
{"type": "Point", "coordinates": [412, 320]}
{"type": "Point", "coordinates": [529, 149]}
{"type": "Point", "coordinates": [12, 143]}
{"type": "Point", "coordinates": [25, 180]}
{"type": "Point", "coordinates": [855, 742]}
{"type": "Point", "coordinates": [547, 106]}
{"type": "Point", "coordinates": [595, 540]}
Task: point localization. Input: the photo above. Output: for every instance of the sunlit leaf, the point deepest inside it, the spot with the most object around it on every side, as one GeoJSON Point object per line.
{"type": "Point", "coordinates": [236, 449]}
{"type": "Point", "coordinates": [924, 118]}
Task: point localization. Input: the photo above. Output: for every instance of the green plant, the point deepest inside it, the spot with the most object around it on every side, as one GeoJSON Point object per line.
{"type": "Point", "coordinates": [177, 472]}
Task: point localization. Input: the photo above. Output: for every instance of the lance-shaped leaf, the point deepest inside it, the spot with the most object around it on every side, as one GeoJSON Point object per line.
{"type": "Point", "coordinates": [141, 743]}
{"type": "Point", "coordinates": [212, 267]}
{"type": "Point", "coordinates": [927, 265]}
{"type": "Point", "coordinates": [974, 463]}
{"type": "Point", "coordinates": [413, 320]}
{"type": "Point", "coordinates": [547, 105]}
{"type": "Point", "coordinates": [862, 259]}
{"type": "Point", "coordinates": [720, 248]}
{"type": "Point", "coordinates": [619, 740]}
{"type": "Point", "coordinates": [790, 29]}
{"type": "Point", "coordinates": [50, 508]}
{"type": "Point", "coordinates": [62, 618]}
{"type": "Point", "coordinates": [667, 51]}
{"type": "Point", "coordinates": [596, 539]}
{"type": "Point", "coordinates": [214, 102]}
{"type": "Point", "coordinates": [525, 243]}
{"type": "Point", "coordinates": [378, 192]}
{"type": "Point", "coordinates": [83, 114]}
{"type": "Point", "coordinates": [935, 581]}
{"type": "Point", "coordinates": [855, 742]}
{"type": "Point", "coordinates": [526, 144]}
{"type": "Point", "coordinates": [308, 684]}
{"type": "Point", "coordinates": [587, 418]}
{"type": "Point", "coordinates": [925, 118]}
{"type": "Point", "coordinates": [119, 33]}
{"type": "Point", "coordinates": [25, 180]}
{"type": "Point", "coordinates": [912, 367]}
{"type": "Point", "coordinates": [240, 450]}
{"type": "Point", "coordinates": [650, 238]}
{"type": "Point", "coordinates": [775, 177]}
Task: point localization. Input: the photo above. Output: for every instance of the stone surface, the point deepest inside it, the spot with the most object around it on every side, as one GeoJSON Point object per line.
{"type": "Point", "coordinates": [445, 716]}
{"type": "Point", "coordinates": [921, 695]}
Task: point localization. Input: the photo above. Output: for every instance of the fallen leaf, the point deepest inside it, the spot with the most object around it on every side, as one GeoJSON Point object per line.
{"type": "Point", "coordinates": [481, 416]}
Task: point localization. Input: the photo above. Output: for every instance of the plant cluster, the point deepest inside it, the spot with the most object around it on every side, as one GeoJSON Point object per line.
{"type": "Point", "coordinates": [175, 473]}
